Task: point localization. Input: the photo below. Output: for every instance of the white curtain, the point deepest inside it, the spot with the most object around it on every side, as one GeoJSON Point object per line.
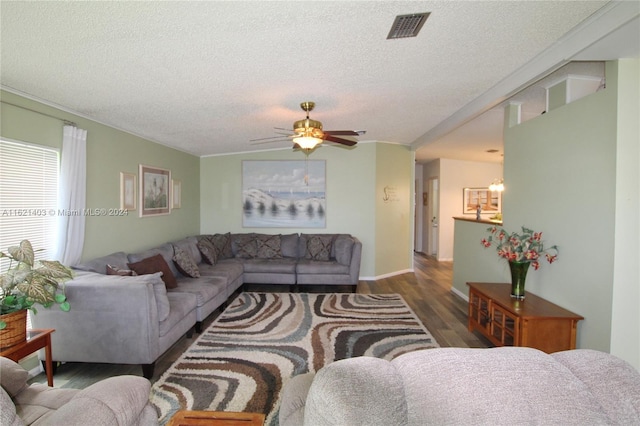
{"type": "Point", "coordinates": [72, 196]}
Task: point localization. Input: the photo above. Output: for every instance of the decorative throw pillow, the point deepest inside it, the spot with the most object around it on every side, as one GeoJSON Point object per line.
{"type": "Point", "coordinates": [319, 247]}
{"type": "Point", "coordinates": [185, 264]}
{"type": "Point", "coordinates": [208, 251]}
{"type": "Point", "coordinates": [222, 244]}
{"type": "Point", "coordinates": [114, 270]}
{"type": "Point", "coordinates": [154, 264]}
{"type": "Point", "coordinates": [268, 247]}
{"type": "Point", "coordinates": [246, 247]}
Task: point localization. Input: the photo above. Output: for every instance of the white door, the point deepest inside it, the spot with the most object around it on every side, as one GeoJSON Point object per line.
{"type": "Point", "coordinates": [432, 216]}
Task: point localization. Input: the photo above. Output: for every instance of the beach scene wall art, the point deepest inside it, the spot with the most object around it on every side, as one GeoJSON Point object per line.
{"type": "Point", "coordinates": [284, 194]}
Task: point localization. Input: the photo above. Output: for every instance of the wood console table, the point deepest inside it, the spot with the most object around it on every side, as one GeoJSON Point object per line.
{"type": "Point", "coordinates": [533, 322]}
{"type": "Point", "coordinates": [218, 418]}
{"type": "Point", "coordinates": [36, 339]}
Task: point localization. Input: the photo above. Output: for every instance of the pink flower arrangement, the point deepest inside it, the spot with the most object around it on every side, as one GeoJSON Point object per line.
{"type": "Point", "coordinates": [524, 247]}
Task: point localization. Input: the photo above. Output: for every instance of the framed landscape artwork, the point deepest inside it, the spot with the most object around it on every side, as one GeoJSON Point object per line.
{"type": "Point", "coordinates": [155, 191]}
{"type": "Point", "coordinates": [285, 194]}
{"type": "Point", "coordinates": [489, 201]}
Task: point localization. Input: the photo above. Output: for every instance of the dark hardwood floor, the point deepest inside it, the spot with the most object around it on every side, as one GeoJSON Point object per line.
{"type": "Point", "coordinates": [427, 291]}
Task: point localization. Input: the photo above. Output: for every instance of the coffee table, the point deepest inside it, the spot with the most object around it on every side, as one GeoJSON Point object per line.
{"type": "Point", "coordinates": [36, 339]}
{"type": "Point", "coordinates": [215, 418]}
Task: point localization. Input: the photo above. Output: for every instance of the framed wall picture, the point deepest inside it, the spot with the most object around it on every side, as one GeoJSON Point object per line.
{"type": "Point", "coordinates": [127, 191]}
{"type": "Point", "coordinates": [155, 191]}
{"type": "Point", "coordinates": [176, 194]}
{"type": "Point", "coordinates": [489, 201]}
{"type": "Point", "coordinates": [283, 193]}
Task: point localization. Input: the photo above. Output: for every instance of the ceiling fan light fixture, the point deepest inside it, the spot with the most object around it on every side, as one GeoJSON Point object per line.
{"type": "Point", "coordinates": [497, 185]}
{"type": "Point", "coordinates": [307, 142]}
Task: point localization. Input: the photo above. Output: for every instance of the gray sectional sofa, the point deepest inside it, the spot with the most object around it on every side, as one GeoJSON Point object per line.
{"type": "Point", "coordinates": [131, 308]}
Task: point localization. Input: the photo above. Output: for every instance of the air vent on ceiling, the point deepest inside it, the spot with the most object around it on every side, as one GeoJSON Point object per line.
{"type": "Point", "coordinates": [407, 25]}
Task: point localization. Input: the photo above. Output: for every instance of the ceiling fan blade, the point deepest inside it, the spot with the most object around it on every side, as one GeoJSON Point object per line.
{"type": "Point", "coordinates": [271, 141]}
{"type": "Point", "coordinates": [270, 137]}
{"type": "Point", "coordinates": [345, 132]}
{"type": "Point", "coordinates": [342, 141]}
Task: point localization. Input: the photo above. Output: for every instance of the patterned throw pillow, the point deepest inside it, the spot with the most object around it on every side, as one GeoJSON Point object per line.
{"type": "Point", "coordinates": [246, 247]}
{"type": "Point", "coordinates": [114, 270]}
{"type": "Point", "coordinates": [185, 264]}
{"type": "Point", "coordinates": [222, 244]}
{"type": "Point", "coordinates": [319, 247]}
{"type": "Point", "coordinates": [208, 251]}
{"type": "Point", "coordinates": [268, 247]}
{"type": "Point", "coordinates": [154, 264]}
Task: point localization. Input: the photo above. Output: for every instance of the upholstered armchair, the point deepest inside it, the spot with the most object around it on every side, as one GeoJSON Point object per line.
{"type": "Point", "coordinates": [121, 401]}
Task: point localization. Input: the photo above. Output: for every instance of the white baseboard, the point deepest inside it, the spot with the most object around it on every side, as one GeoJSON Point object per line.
{"type": "Point", "coordinates": [391, 274]}
{"type": "Point", "coordinates": [460, 294]}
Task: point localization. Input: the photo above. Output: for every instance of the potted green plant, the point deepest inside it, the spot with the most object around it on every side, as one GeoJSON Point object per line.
{"type": "Point", "coordinates": [26, 283]}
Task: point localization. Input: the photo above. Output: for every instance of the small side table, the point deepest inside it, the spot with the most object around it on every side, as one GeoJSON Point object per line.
{"type": "Point", "coordinates": [36, 339]}
{"type": "Point", "coordinates": [216, 418]}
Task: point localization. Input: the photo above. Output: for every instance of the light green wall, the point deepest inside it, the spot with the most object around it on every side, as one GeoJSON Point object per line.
{"type": "Point", "coordinates": [625, 328]}
{"type": "Point", "coordinates": [560, 177]}
{"type": "Point", "coordinates": [109, 152]}
{"type": "Point", "coordinates": [394, 209]}
{"type": "Point", "coordinates": [354, 177]}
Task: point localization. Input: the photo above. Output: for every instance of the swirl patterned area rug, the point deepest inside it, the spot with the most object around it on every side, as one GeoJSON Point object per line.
{"type": "Point", "coordinates": [242, 361]}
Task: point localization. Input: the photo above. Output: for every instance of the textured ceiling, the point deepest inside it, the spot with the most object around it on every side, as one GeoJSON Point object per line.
{"type": "Point", "coordinates": [207, 77]}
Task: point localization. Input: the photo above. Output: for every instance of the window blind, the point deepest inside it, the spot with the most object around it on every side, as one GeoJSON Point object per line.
{"type": "Point", "coordinates": [28, 197]}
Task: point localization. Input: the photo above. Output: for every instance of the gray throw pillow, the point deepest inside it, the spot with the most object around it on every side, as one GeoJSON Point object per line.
{"type": "Point", "coordinates": [208, 251]}
{"type": "Point", "coordinates": [268, 247]}
{"type": "Point", "coordinates": [246, 246]}
{"type": "Point", "coordinates": [222, 243]}
{"type": "Point", "coordinates": [185, 264]}
{"type": "Point", "coordinates": [319, 247]}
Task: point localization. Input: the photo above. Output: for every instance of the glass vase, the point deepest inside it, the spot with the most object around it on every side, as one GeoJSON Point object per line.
{"type": "Point", "coordinates": [518, 277]}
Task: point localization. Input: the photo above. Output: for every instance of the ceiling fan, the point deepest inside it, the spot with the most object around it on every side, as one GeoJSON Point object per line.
{"type": "Point", "coordinates": [308, 133]}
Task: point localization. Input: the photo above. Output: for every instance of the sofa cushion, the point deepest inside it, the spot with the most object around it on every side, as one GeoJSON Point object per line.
{"type": "Point", "coordinates": [245, 246]}
{"type": "Point", "coordinates": [270, 266]}
{"type": "Point", "coordinates": [268, 246]}
{"type": "Point", "coordinates": [222, 243]}
{"type": "Point", "coordinates": [613, 382]}
{"type": "Point", "coordinates": [99, 264]}
{"type": "Point", "coordinates": [183, 304]}
{"type": "Point", "coordinates": [185, 263]}
{"type": "Point", "coordinates": [319, 247]}
{"type": "Point", "coordinates": [358, 391]}
{"type": "Point", "coordinates": [519, 386]}
{"type": "Point", "coordinates": [116, 400]}
{"type": "Point", "coordinates": [230, 269]}
{"type": "Point", "coordinates": [205, 288]}
{"type": "Point", "coordinates": [208, 251]}
{"type": "Point", "coordinates": [289, 245]}
{"type": "Point", "coordinates": [8, 415]}
{"type": "Point", "coordinates": [38, 402]}
{"type": "Point", "coordinates": [343, 248]}
{"type": "Point", "coordinates": [321, 267]}
{"type": "Point", "coordinates": [153, 264]}
{"type": "Point", "coordinates": [13, 378]}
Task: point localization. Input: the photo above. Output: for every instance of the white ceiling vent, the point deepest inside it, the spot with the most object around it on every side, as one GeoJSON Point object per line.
{"type": "Point", "coordinates": [407, 25]}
